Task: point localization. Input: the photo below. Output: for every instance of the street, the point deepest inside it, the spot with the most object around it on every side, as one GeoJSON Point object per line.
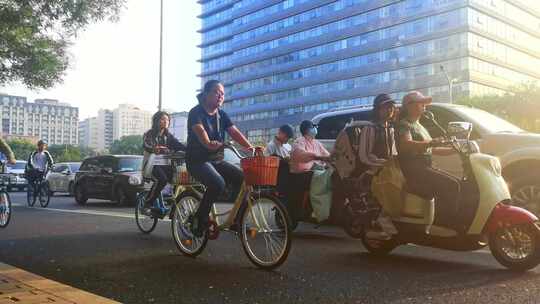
{"type": "Point", "coordinates": [99, 249]}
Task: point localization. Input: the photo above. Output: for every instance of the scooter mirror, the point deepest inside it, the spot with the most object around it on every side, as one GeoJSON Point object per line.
{"type": "Point", "coordinates": [429, 115]}
{"type": "Point", "coordinates": [460, 129]}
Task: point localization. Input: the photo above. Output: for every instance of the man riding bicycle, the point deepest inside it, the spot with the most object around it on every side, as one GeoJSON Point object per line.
{"type": "Point", "coordinates": [39, 163]}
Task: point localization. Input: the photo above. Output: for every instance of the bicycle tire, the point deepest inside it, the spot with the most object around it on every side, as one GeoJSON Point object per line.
{"type": "Point", "coordinates": [283, 226]}
{"type": "Point", "coordinates": [178, 221]}
{"type": "Point", "coordinates": [44, 191]}
{"type": "Point", "coordinates": [139, 205]}
{"type": "Point", "coordinates": [5, 199]}
{"type": "Point", "coordinates": [30, 195]}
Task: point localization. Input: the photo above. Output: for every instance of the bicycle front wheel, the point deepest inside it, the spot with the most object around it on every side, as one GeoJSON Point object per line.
{"type": "Point", "coordinates": [31, 195]}
{"type": "Point", "coordinates": [44, 195]}
{"type": "Point", "coordinates": [146, 222]}
{"type": "Point", "coordinates": [265, 232]}
{"type": "Point", "coordinates": [5, 209]}
{"type": "Point", "coordinates": [186, 206]}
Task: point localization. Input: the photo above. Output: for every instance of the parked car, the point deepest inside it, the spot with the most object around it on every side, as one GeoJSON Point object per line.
{"type": "Point", "coordinates": [110, 177]}
{"type": "Point", "coordinates": [518, 150]}
{"type": "Point", "coordinates": [62, 178]}
{"type": "Point", "coordinates": [17, 180]}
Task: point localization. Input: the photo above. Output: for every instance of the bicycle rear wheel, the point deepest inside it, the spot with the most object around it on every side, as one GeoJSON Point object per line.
{"type": "Point", "coordinates": [44, 195]}
{"type": "Point", "coordinates": [186, 242]}
{"type": "Point", "coordinates": [5, 209]}
{"type": "Point", "coordinates": [265, 232]}
{"type": "Point", "coordinates": [31, 194]}
{"type": "Point", "coordinates": [145, 222]}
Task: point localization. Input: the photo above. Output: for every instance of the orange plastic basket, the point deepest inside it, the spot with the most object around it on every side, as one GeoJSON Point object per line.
{"type": "Point", "coordinates": [260, 170]}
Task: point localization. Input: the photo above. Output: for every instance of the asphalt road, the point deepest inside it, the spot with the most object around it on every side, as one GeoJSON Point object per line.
{"type": "Point", "coordinates": [98, 248]}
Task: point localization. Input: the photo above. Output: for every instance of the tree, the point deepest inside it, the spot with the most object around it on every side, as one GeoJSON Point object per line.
{"type": "Point", "coordinates": [521, 107]}
{"type": "Point", "coordinates": [65, 153]}
{"type": "Point", "coordinates": [131, 145]}
{"type": "Point", "coordinates": [21, 148]}
{"type": "Point", "coordinates": [34, 36]}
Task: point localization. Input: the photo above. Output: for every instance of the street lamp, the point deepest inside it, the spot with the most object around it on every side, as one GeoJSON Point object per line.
{"type": "Point", "coordinates": [160, 53]}
{"type": "Point", "coordinates": [450, 83]}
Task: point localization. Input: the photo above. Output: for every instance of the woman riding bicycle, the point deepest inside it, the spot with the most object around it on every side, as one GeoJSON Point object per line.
{"type": "Point", "coordinates": [207, 125]}
{"type": "Point", "coordinates": [159, 141]}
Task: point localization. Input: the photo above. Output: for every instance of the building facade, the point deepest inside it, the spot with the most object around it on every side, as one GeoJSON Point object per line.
{"type": "Point", "coordinates": [283, 61]}
{"type": "Point", "coordinates": [130, 120]}
{"type": "Point", "coordinates": [105, 128]}
{"type": "Point", "coordinates": [89, 133]}
{"type": "Point", "coordinates": [178, 125]}
{"type": "Point", "coordinates": [46, 119]}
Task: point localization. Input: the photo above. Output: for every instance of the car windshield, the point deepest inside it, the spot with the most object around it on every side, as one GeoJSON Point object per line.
{"type": "Point", "coordinates": [130, 164]}
{"type": "Point", "coordinates": [490, 122]}
{"type": "Point", "coordinates": [74, 167]}
{"type": "Point", "coordinates": [17, 165]}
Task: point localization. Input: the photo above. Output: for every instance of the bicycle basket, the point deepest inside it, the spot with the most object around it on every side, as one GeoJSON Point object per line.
{"type": "Point", "coordinates": [260, 170]}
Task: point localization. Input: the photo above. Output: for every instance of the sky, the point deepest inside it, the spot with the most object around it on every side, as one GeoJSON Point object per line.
{"type": "Point", "coordinates": [115, 63]}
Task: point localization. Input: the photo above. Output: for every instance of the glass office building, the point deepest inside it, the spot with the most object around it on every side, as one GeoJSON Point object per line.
{"type": "Point", "coordinates": [285, 61]}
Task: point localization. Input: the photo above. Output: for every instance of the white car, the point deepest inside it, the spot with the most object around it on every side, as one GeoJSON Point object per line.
{"type": "Point", "coordinates": [17, 180]}
{"type": "Point", "coordinates": [62, 176]}
{"type": "Point", "coordinates": [518, 150]}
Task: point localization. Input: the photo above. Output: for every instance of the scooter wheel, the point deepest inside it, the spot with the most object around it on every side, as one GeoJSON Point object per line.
{"type": "Point", "coordinates": [516, 247]}
{"type": "Point", "coordinates": [378, 247]}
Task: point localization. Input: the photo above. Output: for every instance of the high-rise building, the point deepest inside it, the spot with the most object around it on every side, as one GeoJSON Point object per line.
{"type": "Point", "coordinates": [89, 133]}
{"type": "Point", "coordinates": [105, 127]}
{"type": "Point", "coordinates": [178, 125]}
{"type": "Point", "coordinates": [285, 61]}
{"type": "Point", "coordinates": [46, 119]}
{"type": "Point", "coordinates": [130, 120]}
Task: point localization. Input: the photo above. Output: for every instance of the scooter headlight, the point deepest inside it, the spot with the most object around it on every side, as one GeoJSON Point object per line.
{"type": "Point", "coordinates": [496, 166]}
{"type": "Point", "coordinates": [134, 180]}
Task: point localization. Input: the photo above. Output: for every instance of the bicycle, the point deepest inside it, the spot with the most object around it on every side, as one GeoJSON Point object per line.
{"type": "Point", "coordinates": [5, 200]}
{"type": "Point", "coordinates": [38, 189]}
{"type": "Point", "coordinates": [256, 212]}
{"type": "Point", "coordinates": [145, 219]}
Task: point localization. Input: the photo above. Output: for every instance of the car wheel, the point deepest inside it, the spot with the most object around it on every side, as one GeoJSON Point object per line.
{"type": "Point", "coordinates": [120, 196]}
{"type": "Point", "coordinates": [526, 193]}
{"type": "Point", "coordinates": [80, 195]}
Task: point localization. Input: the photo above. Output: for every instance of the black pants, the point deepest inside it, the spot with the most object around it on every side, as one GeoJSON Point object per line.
{"type": "Point", "coordinates": [428, 182]}
{"type": "Point", "coordinates": [298, 186]}
{"type": "Point", "coordinates": [215, 176]}
{"type": "Point", "coordinates": [162, 175]}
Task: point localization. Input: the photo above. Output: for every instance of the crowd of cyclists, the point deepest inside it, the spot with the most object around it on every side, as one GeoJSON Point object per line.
{"type": "Point", "coordinates": [388, 136]}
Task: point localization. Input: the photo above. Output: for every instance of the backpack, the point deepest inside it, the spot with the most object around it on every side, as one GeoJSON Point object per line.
{"type": "Point", "coordinates": [346, 150]}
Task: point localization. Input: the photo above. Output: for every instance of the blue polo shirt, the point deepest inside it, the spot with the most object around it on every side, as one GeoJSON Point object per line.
{"type": "Point", "coordinates": [196, 151]}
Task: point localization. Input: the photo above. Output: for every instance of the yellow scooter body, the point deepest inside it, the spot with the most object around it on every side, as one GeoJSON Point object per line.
{"type": "Point", "coordinates": [388, 187]}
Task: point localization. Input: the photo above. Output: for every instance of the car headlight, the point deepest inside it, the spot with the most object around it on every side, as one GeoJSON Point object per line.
{"type": "Point", "coordinates": [496, 166]}
{"type": "Point", "coordinates": [134, 180]}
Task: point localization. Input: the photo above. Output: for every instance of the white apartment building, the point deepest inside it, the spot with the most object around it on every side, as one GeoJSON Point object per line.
{"type": "Point", "coordinates": [105, 125]}
{"type": "Point", "coordinates": [130, 120]}
{"type": "Point", "coordinates": [88, 133]}
{"type": "Point", "coordinates": [46, 119]}
{"type": "Point", "coordinates": [178, 125]}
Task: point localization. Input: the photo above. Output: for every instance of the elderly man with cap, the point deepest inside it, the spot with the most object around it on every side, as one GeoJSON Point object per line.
{"type": "Point", "coordinates": [415, 148]}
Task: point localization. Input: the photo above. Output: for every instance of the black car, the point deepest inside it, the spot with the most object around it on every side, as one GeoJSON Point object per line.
{"type": "Point", "coordinates": [111, 177]}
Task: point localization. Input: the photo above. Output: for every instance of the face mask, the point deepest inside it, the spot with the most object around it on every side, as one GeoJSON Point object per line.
{"type": "Point", "coordinates": [312, 132]}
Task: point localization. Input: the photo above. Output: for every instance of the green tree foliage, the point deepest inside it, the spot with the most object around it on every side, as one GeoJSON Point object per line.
{"type": "Point", "coordinates": [35, 34]}
{"type": "Point", "coordinates": [21, 148]}
{"type": "Point", "coordinates": [522, 107]}
{"type": "Point", "coordinates": [129, 145]}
